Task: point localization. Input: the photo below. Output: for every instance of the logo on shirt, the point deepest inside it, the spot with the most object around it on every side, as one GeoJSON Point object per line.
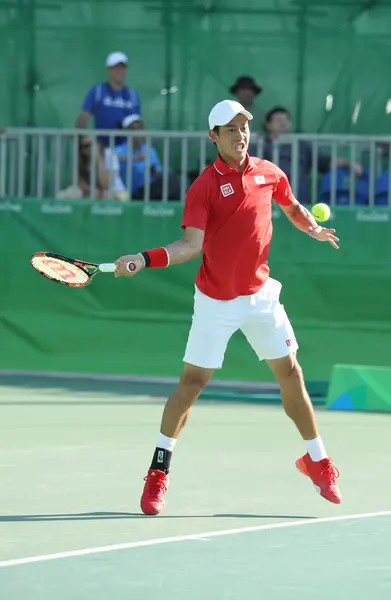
{"type": "Point", "coordinates": [117, 102]}
{"type": "Point", "coordinates": [289, 342]}
{"type": "Point", "coordinates": [227, 189]}
{"type": "Point", "coordinates": [259, 179]}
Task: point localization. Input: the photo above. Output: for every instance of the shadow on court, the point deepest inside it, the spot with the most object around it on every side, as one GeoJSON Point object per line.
{"type": "Point", "coordinates": [114, 515]}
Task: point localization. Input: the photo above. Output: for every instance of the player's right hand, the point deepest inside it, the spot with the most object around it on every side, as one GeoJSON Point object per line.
{"type": "Point", "coordinates": [324, 235]}
{"type": "Point", "coordinates": [121, 265]}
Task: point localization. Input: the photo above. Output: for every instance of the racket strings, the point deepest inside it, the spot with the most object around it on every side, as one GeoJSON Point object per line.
{"type": "Point", "coordinates": [60, 270]}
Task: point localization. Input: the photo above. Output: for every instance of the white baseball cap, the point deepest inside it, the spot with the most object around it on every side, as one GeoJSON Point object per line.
{"type": "Point", "coordinates": [115, 58]}
{"type": "Point", "coordinates": [223, 112]}
{"type": "Point", "coordinates": [129, 120]}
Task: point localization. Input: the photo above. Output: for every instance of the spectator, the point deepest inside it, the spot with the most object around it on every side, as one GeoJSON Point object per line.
{"type": "Point", "coordinates": [112, 101]}
{"type": "Point", "coordinates": [245, 90]}
{"type": "Point", "coordinates": [278, 122]}
{"type": "Point", "coordinates": [106, 174]}
{"type": "Point", "coordinates": [140, 153]}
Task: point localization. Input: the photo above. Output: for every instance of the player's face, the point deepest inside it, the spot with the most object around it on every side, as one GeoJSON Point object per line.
{"type": "Point", "coordinates": [232, 140]}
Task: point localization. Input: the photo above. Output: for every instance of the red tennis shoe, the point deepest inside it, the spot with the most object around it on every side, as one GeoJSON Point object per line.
{"type": "Point", "coordinates": [152, 500]}
{"type": "Point", "coordinates": [323, 475]}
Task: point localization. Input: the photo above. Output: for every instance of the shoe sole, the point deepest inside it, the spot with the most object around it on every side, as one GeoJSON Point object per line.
{"type": "Point", "coordinates": [151, 514]}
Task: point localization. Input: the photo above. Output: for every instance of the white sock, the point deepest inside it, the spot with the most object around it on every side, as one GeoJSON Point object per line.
{"type": "Point", "coordinates": [165, 442]}
{"type": "Point", "coordinates": [316, 449]}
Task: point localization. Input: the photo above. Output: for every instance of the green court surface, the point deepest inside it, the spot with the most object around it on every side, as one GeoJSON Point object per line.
{"type": "Point", "coordinates": [240, 521]}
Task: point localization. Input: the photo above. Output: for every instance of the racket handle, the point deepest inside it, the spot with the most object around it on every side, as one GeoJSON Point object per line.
{"type": "Point", "coordinates": [110, 267]}
{"type": "Point", "coordinates": [107, 267]}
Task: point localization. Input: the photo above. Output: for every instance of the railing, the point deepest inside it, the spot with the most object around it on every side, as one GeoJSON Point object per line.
{"type": "Point", "coordinates": [49, 163]}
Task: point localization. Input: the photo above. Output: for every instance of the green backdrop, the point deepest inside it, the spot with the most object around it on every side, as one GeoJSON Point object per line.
{"type": "Point", "coordinates": [53, 51]}
{"type": "Point", "coordinates": [359, 388]}
{"type": "Point", "coordinates": [339, 302]}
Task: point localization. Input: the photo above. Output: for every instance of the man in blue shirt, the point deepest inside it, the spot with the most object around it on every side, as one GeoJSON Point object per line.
{"type": "Point", "coordinates": [138, 161]}
{"type": "Point", "coordinates": [144, 158]}
{"type": "Point", "coordinates": [112, 101]}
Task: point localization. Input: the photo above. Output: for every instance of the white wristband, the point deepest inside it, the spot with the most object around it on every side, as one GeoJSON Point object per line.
{"type": "Point", "coordinates": [168, 256]}
{"type": "Point", "coordinates": [139, 254]}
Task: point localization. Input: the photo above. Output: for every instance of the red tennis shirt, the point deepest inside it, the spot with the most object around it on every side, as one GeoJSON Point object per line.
{"type": "Point", "coordinates": [235, 211]}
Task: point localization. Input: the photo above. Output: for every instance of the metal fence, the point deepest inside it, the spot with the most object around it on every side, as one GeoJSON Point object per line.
{"type": "Point", "coordinates": [160, 165]}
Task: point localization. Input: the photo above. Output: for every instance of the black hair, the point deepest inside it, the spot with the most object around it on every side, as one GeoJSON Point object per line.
{"type": "Point", "coordinates": [216, 130]}
{"type": "Point", "coordinates": [278, 109]}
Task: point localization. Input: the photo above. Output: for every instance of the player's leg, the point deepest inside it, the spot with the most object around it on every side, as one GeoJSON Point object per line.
{"type": "Point", "coordinates": [271, 335]}
{"type": "Point", "coordinates": [295, 399]}
{"type": "Point", "coordinates": [178, 406]}
{"type": "Point", "coordinates": [316, 463]}
{"type": "Point", "coordinates": [177, 411]}
{"type": "Point", "coordinates": [214, 322]}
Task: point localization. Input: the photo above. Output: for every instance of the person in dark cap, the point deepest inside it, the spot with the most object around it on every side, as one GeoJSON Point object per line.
{"type": "Point", "coordinates": [245, 90]}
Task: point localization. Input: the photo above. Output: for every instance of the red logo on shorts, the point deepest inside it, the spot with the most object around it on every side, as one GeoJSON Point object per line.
{"type": "Point", "coordinates": [289, 342]}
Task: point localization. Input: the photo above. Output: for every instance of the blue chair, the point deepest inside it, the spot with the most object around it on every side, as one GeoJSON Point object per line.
{"type": "Point", "coordinates": [342, 187]}
{"type": "Point", "coordinates": [342, 195]}
{"type": "Point", "coordinates": [381, 188]}
{"type": "Point", "coordinates": [362, 188]}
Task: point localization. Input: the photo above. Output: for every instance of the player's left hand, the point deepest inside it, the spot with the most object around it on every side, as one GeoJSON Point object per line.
{"type": "Point", "coordinates": [324, 235]}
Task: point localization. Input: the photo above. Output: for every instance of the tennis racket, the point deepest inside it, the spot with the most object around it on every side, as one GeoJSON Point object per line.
{"type": "Point", "coordinates": [70, 271]}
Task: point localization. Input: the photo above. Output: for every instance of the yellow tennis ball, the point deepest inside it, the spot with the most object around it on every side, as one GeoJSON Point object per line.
{"type": "Point", "coordinates": [321, 212]}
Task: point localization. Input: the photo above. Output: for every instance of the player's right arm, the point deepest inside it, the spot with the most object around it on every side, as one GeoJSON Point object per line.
{"type": "Point", "coordinates": [188, 247]}
{"type": "Point", "coordinates": [185, 249]}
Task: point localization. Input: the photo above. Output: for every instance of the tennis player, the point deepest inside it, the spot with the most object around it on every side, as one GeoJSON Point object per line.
{"type": "Point", "coordinates": [227, 215]}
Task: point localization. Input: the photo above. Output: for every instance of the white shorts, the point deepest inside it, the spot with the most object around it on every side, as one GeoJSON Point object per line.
{"type": "Point", "coordinates": [260, 317]}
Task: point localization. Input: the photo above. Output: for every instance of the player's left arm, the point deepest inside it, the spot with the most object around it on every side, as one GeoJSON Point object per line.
{"type": "Point", "coordinates": [299, 215]}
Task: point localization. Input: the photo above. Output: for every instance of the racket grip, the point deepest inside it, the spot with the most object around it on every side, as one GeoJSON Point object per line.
{"type": "Point", "coordinates": [107, 267]}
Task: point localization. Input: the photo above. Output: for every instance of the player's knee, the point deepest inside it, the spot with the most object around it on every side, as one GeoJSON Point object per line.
{"type": "Point", "coordinates": [193, 383]}
{"type": "Point", "coordinates": [290, 371]}
{"type": "Point", "coordinates": [194, 380]}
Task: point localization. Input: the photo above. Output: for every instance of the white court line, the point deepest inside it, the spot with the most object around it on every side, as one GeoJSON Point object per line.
{"type": "Point", "coordinates": [183, 538]}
